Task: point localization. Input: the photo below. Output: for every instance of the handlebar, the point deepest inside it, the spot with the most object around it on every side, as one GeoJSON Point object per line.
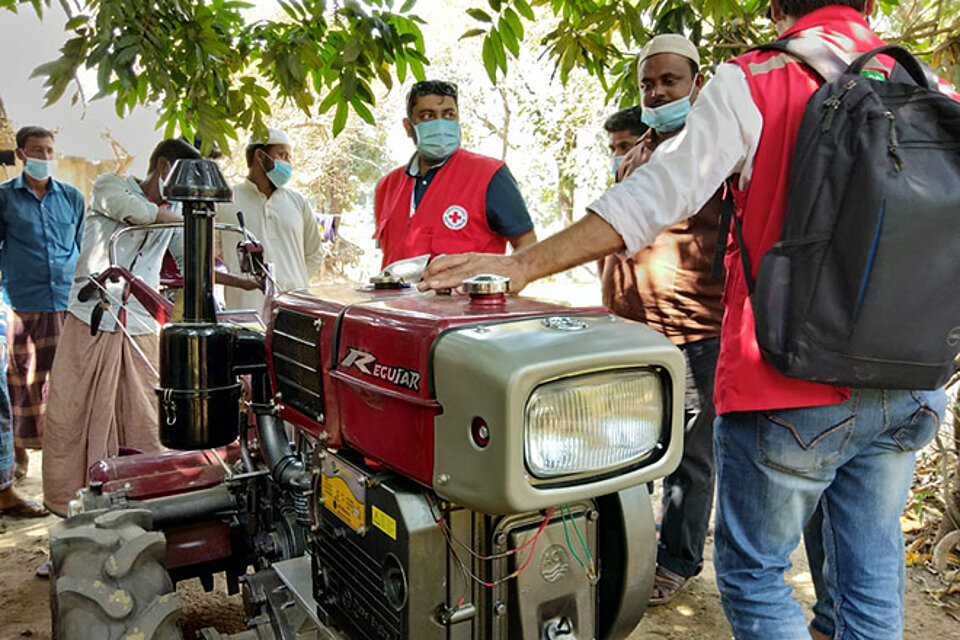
{"type": "Point", "coordinates": [119, 233]}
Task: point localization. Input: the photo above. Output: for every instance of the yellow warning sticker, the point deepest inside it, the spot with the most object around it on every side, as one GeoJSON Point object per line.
{"type": "Point", "coordinates": [384, 522]}
{"type": "Point", "coordinates": [338, 498]}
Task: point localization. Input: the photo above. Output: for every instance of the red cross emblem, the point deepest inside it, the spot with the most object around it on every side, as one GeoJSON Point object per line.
{"type": "Point", "coordinates": [455, 217]}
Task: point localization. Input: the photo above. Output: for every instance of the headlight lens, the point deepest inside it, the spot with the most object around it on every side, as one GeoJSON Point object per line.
{"type": "Point", "coordinates": [593, 422]}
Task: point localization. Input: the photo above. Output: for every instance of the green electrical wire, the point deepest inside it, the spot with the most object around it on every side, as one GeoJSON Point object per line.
{"type": "Point", "coordinates": [563, 516]}
{"type": "Point", "coordinates": [582, 543]}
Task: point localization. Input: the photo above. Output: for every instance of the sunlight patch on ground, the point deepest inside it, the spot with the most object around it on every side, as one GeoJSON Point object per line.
{"type": "Point", "coordinates": [685, 610]}
{"type": "Point", "coordinates": [803, 583]}
{"type": "Point", "coordinates": [566, 290]}
{"type": "Point", "coordinates": [800, 578]}
{"type": "Point", "coordinates": [35, 531]}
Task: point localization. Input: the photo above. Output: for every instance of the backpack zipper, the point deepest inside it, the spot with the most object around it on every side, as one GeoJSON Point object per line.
{"type": "Point", "coordinates": [892, 143]}
{"type": "Point", "coordinates": [833, 105]}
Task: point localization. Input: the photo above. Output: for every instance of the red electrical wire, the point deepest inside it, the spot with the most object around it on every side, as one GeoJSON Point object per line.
{"type": "Point", "coordinates": [533, 541]}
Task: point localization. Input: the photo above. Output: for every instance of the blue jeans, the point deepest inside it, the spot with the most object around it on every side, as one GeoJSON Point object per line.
{"type": "Point", "coordinates": [855, 462]}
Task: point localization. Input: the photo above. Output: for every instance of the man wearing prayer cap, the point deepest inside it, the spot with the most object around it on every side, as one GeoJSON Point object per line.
{"type": "Point", "coordinates": [280, 217]}
{"type": "Point", "coordinates": [669, 287]}
{"type": "Point", "coordinates": [788, 448]}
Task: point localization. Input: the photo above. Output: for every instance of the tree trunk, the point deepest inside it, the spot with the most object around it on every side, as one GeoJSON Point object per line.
{"type": "Point", "coordinates": [951, 480]}
{"type": "Point", "coordinates": [565, 188]}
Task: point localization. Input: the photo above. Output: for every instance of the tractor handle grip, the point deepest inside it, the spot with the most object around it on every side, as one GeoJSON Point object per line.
{"type": "Point", "coordinates": [95, 317]}
{"type": "Point", "coordinates": [86, 292]}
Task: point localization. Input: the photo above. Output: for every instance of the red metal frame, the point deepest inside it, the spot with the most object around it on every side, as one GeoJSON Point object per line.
{"type": "Point", "coordinates": [152, 475]}
{"type": "Point", "coordinates": [387, 422]}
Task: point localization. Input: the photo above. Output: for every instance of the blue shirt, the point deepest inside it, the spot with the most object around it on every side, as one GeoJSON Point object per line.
{"type": "Point", "coordinates": [507, 213]}
{"type": "Point", "coordinates": [40, 244]}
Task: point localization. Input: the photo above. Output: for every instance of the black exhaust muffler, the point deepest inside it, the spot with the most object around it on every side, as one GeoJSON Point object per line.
{"type": "Point", "coordinates": [198, 395]}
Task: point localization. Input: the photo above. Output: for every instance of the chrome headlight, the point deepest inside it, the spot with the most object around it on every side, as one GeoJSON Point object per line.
{"type": "Point", "coordinates": [593, 423]}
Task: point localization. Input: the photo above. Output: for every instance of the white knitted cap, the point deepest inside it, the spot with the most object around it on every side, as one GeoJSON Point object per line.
{"type": "Point", "coordinates": [671, 43]}
{"type": "Point", "coordinates": [274, 136]}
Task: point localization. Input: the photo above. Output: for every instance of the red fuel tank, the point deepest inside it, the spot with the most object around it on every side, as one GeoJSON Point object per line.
{"type": "Point", "coordinates": [352, 366]}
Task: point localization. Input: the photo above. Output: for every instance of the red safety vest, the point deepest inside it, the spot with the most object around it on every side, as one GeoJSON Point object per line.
{"type": "Point", "coordinates": [451, 217]}
{"type": "Point", "coordinates": [780, 87]}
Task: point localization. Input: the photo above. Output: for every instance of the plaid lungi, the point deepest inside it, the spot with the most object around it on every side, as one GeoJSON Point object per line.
{"type": "Point", "coordinates": [33, 338]}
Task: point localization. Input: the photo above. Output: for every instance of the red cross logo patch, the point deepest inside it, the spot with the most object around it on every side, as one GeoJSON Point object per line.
{"type": "Point", "coordinates": [455, 217]}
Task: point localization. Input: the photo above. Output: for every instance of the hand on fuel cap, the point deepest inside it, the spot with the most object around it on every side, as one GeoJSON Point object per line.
{"type": "Point", "coordinates": [449, 272]}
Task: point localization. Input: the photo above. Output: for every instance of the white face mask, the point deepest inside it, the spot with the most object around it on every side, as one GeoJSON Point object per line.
{"type": "Point", "coordinates": [39, 169]}
{"type": "Point", "coordinates": [671, 116]}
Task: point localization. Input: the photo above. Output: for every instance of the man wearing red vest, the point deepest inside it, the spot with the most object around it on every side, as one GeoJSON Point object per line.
{"type": "Point", "coordinates": [786, 449]}
{"type": "Point", "coordinates": [446, 199]}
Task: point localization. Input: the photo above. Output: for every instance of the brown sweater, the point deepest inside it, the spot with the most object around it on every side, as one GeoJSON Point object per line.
{"type": "Point", "coordinates": [668, 285]}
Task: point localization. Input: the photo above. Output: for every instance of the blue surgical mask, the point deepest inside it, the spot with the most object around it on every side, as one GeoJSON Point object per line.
{"type": "Point", "coordinates": [668, 117]}
{"type": "Point", "coordinates": [437, 139]}
{"type": "Point", "coordinates": [39, 169]}
{"type": "Point", "coordinates": [615, 163]}
{"type": "Point", "coordinates": [281, 173]}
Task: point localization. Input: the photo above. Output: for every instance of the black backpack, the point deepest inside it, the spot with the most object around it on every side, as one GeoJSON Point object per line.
{"type": "Point", "coordinates": [863, 287]}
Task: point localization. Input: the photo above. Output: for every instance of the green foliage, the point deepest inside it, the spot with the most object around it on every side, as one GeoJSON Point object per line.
{"type": "Point", "coordinates": [37, 5]}
{"type": "Point", "coordinates": [931, 29]}
{"type": "Point", "coordinates": [604, 36]}
{"type": "Point", "coordinates": [211, 71]}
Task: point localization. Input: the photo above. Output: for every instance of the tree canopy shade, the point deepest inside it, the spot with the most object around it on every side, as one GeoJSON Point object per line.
{"type": "Point", "coordinates": [210, 69]}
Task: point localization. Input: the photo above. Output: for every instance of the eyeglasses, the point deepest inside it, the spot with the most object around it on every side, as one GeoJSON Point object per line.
{"type": "Point", "coordinates": [434, 87]}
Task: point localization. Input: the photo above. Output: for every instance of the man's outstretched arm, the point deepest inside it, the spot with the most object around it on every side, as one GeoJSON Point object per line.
{"type": "Point", "coordinates": [588, 239]}
{"type": "Point", "coordinates": [720, 139]}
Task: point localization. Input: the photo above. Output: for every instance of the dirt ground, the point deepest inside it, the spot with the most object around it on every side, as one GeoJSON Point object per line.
{"type": "Point", "coordinates": [694, 615]}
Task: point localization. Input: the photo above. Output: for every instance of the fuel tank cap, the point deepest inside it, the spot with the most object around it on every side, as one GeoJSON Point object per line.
{"type": "Point", "coordinates": [486, 284]}
{"type": "Point", "coordinates": [387, 281]}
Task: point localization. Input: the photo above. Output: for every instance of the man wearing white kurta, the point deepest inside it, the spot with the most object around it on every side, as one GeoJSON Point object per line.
{"type": "Point", "coordinates": [280, 218]}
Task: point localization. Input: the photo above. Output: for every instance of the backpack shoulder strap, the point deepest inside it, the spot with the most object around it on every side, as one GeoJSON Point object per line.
{"type": "Point", "coordinates": [812, 52]}
{"type": "Point", "coordinates": [728, 213]}
{"type": "Point", "coordinates": [818, 56]}
{"type": "Point", "coordinates": [903, 58]}
{"type": "Point", "coordinates": [723, 230]}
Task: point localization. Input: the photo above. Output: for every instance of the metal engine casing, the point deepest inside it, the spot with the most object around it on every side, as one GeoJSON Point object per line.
{"type": "Point", "coordinates": [379, 560]}
{"type": "Point", "coordinates": [398, 376]}
{"type": "Point", "coordinates": [383, 569]}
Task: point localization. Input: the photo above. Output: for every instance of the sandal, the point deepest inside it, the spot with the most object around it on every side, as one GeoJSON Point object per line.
{"type": "Point", "coordinates": [666, 586]}
{"type": "Point", "coordinates": [25, 509]}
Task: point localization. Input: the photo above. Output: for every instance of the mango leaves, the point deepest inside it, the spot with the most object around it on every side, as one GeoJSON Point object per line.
{"type": "Point", "coordinates": [604, 36]}
{"type": "Point", "coordinates": [211, 71]}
